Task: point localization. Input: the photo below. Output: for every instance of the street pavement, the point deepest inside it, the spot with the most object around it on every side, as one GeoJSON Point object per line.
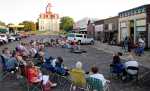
{"type": "Point", "coordinates": [100, 58]}
{"type": "Point", "coordinates": [143, 60]}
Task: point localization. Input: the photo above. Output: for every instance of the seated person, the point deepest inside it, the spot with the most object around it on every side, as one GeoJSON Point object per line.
{"type": "Point", "coordinates": [48, 64]}
{"type": "Point", "coordinates": [34, 75]}
{"type": "Point", "coordinates": [22, 64]}
{"type": "Point", "coordinates": [130, 71]}
{"type": "Point", "coordinates": [78, 74]}
{"type": "Point", "coordinates": [12, 64]}
{"type": "Point", "coordinates": [33, 51]}
{"type": "Point", "coordinates": [116, 59]}
{"type": "Point", "coordinates": [98, 75]}
{"type": "Point", "coordinates": [6, 54]}
{"type": "Point", "coordinates": [117, 66]}
{"type": "Point", "coordinates": [41, 59]}
{"type": "Point", "coordinates": [59, 68]}
{"type": "Point", "coordinates": [78, 67]}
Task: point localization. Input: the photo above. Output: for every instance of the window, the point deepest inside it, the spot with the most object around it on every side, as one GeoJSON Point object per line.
{"type": "Point", "coordinates": [70, 35]}
{"type": "Point", "coordinates": [85, 36]}
{"type": "Point", "coordinates": [132, 12]}
{"type": "Point", "coordinates": [143, 10]}
{"type": "Point", "coordinates": [78, 35]}
{"type": "Point", "coordinates": [126, 14]}
{"type": "Point", "coordinates": [139, 11]}
{"type": "Point", "coordinates": [129, 13]}
{"type": "Point", "coordinates": [136, 11]}
{"type": "Point", "coordinates": [123, 15]}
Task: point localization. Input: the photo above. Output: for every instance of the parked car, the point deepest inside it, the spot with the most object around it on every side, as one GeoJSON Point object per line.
{"type": "Point", "coordinates": [11, 38]}
{"type": "Point", "coordinates": [80, 38]}
{"type": "Point", "coordinates": [3, 38]}
{"type": "Point", "coordinates": [17, 37]}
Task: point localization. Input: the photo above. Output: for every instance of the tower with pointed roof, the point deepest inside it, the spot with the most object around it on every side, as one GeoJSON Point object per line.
{"type": "Point", "coordinates": [48, 21]}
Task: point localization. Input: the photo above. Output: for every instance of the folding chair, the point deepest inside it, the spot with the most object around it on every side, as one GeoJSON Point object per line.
{"type": "Point", "coordinates": [116, 69]}
{"type": "Point", "coordinates": [96, 84]}
{"type": "Point", "coordinates": [5, 72]}
{"type": "Point", "coordinates": [130, 74]}
{"type": "Point", "coordinates": [78, 80]}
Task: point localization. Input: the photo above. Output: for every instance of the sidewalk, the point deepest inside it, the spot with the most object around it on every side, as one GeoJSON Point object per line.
{"type": "Point", "coordinates": [144, 60]}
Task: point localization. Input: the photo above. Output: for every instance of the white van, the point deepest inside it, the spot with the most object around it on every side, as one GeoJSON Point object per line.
{"type": "Point", "coordinates": [3, 37]}
{"type": "Point", "coordinates": [80, 38]}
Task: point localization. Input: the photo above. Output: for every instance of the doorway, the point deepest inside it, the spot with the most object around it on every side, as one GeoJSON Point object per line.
{"type": "Point", "coordinates": [131, 30]}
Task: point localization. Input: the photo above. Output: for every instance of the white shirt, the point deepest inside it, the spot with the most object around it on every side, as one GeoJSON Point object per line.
{"type": "Point", "coordinates": [132, 64]}
{"type": "Point", "coordinates": [100, 77]}
{"type": "Point", "coordinates": [54, 62]}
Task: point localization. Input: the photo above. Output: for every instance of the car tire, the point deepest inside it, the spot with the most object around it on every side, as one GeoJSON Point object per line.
{"type": "Point", "coordinates": [92, 42]}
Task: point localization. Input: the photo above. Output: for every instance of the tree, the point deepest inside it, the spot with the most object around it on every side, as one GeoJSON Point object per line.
{"type": "Point", "coordinates": [66, 23]}
{"type": "Point", "coordinates": [28, 25]}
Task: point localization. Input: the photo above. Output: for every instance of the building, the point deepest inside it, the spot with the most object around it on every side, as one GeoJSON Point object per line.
{"type": "Point", "coordinates": [110, 32]}
{"type": "Point", "coordinates": [13, 29]}
{"type": "Point", "coordinates": [81, 26]}
{"type": "Point", "coordinates": [106, 30]}
{"type": "Point", "coordinates": [99, 28]}
{"type": "Point", "coordinates": [91, 29]}
{"type": "Point", "coordinates": [135, 23]}
{"type": "Point", "coordinates": [48, 21]}
{"type": "Point", "coordinates": [3, 27]}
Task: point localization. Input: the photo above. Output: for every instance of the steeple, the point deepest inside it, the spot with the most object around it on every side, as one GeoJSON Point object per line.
{"type": "Point", "coordinates": [48, 8]}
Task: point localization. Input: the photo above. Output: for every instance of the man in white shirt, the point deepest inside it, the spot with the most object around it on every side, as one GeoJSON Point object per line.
{"type": "Point", "coordinates": [131, 64]}
{"type": "Point", "coordinates": [98, 75]}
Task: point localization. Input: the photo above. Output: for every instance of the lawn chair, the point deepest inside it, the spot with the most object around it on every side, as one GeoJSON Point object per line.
{"type": "Point", "coordinates": [78, 81]}
{"type": "Point", "coordinates": [116, 69]}
{"type": "Point", "coordinates": [96, 85]}
{"type": "Point", "coordinates": [130, 75]}
{"type": "Point", "coordinates": [32, 86]}
{"type": "Point", "coordinates": [5, 72]}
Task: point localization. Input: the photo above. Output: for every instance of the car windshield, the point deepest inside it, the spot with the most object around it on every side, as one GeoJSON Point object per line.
{"type": "Point", "coordinates": [78, 35]}
{"type": "Point", "coordinates": [71, 35]}
{"type": "Point", "coordinates": [13, 35]}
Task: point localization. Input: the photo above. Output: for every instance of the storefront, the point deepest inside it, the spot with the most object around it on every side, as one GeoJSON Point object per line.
{"type": "Point", "coordinates": [133, 24]}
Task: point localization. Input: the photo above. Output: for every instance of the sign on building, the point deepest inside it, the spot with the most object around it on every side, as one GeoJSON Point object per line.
{"type": "Point", "coordinates": [99, 28]}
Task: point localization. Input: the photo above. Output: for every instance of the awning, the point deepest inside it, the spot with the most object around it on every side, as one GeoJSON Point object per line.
{"type": "Point", "coordinates": [3, 30]}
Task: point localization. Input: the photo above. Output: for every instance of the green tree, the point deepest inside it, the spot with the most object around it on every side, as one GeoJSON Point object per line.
{"type": "Point", "coordinates": [66, 23]}
{"type": "Point", "coordinates": [28, 25]}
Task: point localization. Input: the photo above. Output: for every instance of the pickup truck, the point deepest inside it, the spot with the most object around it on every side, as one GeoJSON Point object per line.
{"type": "Point", "coordinates": [80, 38]}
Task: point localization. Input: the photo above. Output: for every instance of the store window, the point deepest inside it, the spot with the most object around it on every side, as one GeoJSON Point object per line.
{"type": "Point", "coordinates": [125, 14]}
{"type": "Point", "coordinates": [129, 13]}
{"type": "Point", "coordinates": [143, 10]}
{"type": "Point", "coordinates": [132, 12]}
{"type": "Point", "coordinates": [136, 11]}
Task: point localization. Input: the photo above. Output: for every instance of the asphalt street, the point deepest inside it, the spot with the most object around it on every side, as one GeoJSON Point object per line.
{"type": "Point", "coordinates": [91, 57]}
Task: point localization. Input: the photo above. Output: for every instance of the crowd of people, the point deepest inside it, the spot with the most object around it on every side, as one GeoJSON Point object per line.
{"type": "Point", "coordinates": [138, 47]}
{"type": "Point", "coordinates": [27, 59]}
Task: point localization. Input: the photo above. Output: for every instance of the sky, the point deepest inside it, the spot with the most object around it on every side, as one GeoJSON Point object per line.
{"type": "Point", "coordinates": [15, 11]}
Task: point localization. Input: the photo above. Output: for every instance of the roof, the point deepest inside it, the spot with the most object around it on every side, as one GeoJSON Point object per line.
{"type": "Point", "coordinates": [135, 8]}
